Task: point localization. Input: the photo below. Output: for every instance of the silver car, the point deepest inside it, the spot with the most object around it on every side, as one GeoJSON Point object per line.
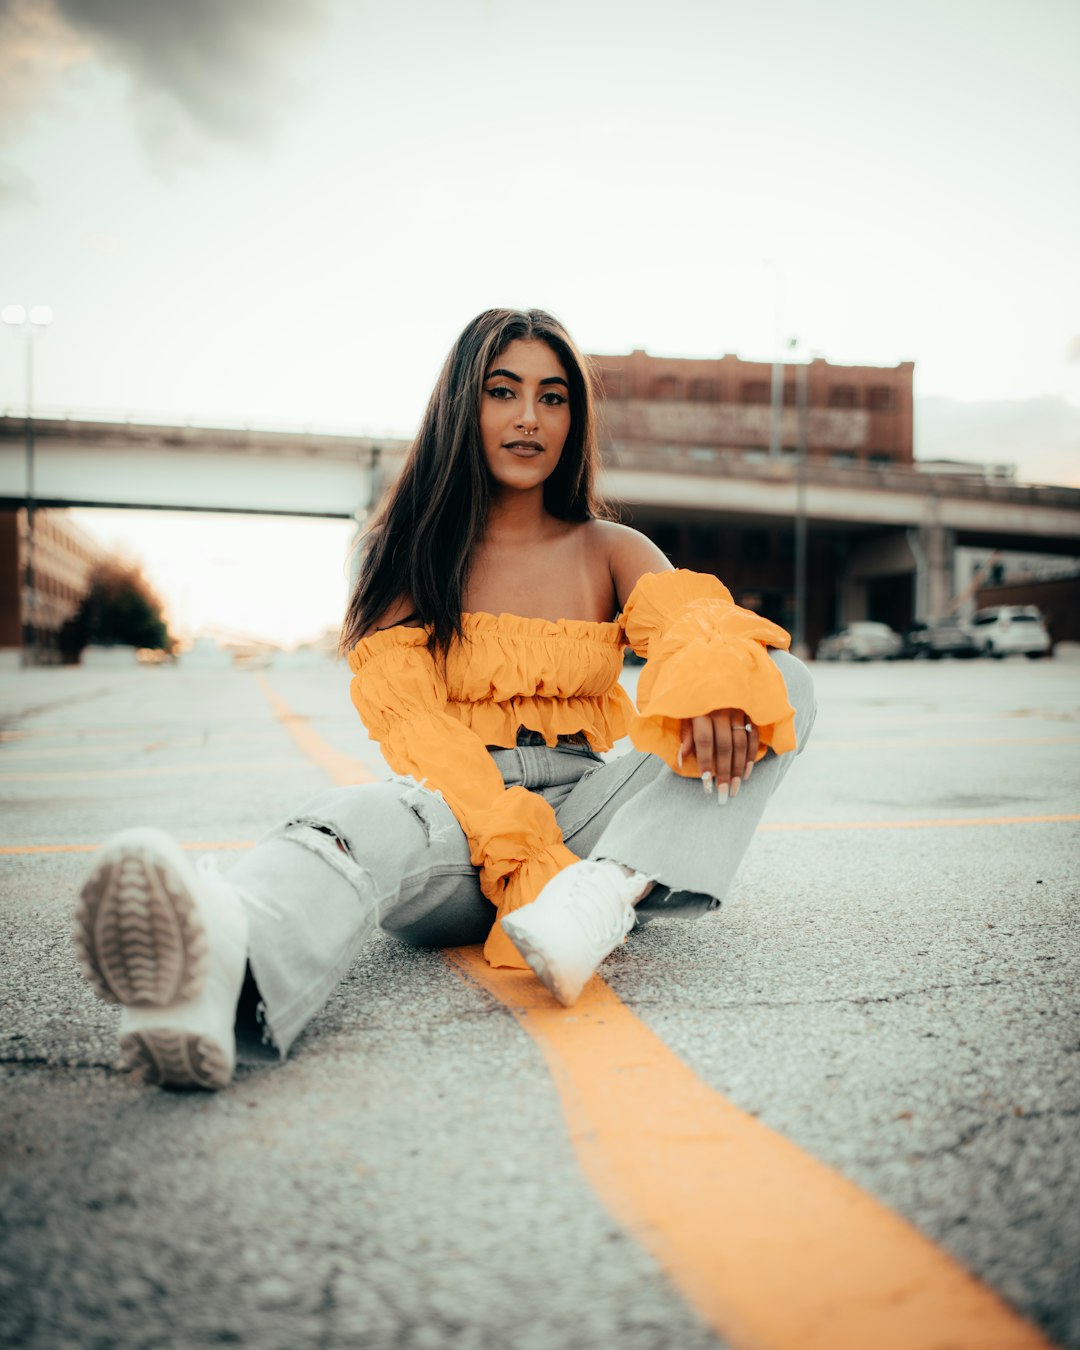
{"type": "Point", "coordinates": [864, 641]}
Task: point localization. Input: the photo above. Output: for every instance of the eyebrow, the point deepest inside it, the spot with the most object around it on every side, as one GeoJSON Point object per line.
{"type": "Point", "coordinates": [509, 374]}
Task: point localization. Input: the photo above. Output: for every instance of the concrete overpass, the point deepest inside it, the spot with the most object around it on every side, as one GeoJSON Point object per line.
{"type": "Point", "coordinates": [187, 468]}
{"type": "Point", "coordinates": [865, 524]}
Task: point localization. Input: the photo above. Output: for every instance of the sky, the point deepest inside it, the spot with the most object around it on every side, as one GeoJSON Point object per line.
{"type": "Point", "coordinates": [281, 212]}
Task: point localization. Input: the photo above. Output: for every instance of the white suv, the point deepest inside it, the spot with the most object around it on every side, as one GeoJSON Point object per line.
{"type": "Point", "coordinates": [1010, 628]}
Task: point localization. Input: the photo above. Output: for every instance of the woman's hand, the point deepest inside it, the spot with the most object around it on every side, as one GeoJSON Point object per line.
{"type": "Point", "coordinates": [726, 745]}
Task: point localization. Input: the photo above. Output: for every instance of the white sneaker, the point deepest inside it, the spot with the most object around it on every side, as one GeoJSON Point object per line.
{"type": "Point", "coordinates": [580, 917]}
{"type": "Point", "coordinates": [168, 942]}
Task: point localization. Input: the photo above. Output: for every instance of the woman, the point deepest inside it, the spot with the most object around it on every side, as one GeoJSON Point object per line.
{"type": "Point", "coordinates": [485, 635]}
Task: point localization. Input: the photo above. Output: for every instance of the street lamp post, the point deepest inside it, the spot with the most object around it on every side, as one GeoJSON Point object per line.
{"type": "Point", "coordinates": [31, 324]}
{"type": "Point", "coordinates": [802, 399]}
{"type": "Point", "coordinates": [776, 392]}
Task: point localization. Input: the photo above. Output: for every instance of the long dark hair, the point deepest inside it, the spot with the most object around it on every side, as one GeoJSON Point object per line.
{"type": "Point", "coordinates": [419, 547]}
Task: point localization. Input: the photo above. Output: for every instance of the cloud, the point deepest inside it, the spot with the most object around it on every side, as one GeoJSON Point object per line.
{"type": "Point", "coordinates": [200, 69]}
{"type": "Point", "coordinates": [218, 62]}
{"type": "Point", "coordinates": [36, 49]}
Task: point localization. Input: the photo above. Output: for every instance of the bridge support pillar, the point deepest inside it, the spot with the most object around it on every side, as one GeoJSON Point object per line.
{"type": "Point", "coordinates": [873, 558]}
{"type": "Point", "coordinates": [934, 547]}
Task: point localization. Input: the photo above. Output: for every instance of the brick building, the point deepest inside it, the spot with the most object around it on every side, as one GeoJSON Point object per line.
{"type": "Point", "coordinates": [64, 556]}
{"type": "Point", "coordinates": [858, 417]}
{"type": "Point", "coordinates": [855, 414]}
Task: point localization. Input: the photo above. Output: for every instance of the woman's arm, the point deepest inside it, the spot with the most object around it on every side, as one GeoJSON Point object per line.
{"type": "Point", "coordinates": [630, 556]}
{"type": "Point", "coordinates": [723, 741]}
{"type": "Point", "coordinates": [514, 838]}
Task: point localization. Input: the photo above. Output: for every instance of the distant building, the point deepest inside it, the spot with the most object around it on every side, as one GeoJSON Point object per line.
{"type": "Point", "coordinates": [856, 415]}
{"type": "Point", "coordinates": [63, 558]}
{"type": "Point", "coordinates": [968, 468]}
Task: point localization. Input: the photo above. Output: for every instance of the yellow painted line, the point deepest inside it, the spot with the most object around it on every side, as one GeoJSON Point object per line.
{"type": "Point", "coordinates": [773, 1249]}
{"type": "Point", "coordinates": [898, 743]}
{"type": "Point", "coordinates": [82, 747]}
{"type": "Point", "coordinates": [11, 850]}
{"type": "Point", "coordinates": [30, 733]}
{"type": "Point", "coordinates": [921, 742]}
{"type": "Point", "coordinates": [151, 771]}
{"type": "Point", "coordinates": [946, 823]}
{"type": "Point", "coordinates": [23, 849]}
{"type": "Point", "coordinates": [344, 771]}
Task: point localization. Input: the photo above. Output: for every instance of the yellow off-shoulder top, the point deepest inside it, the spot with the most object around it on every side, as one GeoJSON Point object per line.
{"type": "Point", "coordinates": [558, 677]}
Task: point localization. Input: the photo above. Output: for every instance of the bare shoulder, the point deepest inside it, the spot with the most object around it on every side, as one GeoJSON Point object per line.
{"type": "Point", "coordinates": [400, 614]}
{"type": "Point", "coordinates": [629, 554]}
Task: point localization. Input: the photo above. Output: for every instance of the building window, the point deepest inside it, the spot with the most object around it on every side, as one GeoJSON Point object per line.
{"type": "Point", "coordinates": [755, 391]}
{"type": "Point", "coordinates": [880, 399]}
{"type": "Point", "coordinates": [664, 386]}
{"type": "Point", "coordinates": [880, 459]}
{"type": "Point", "coordinates": [790, 395]}
{"type": "Point", "coordinates": [842, 458]}
{"type": "Point", "coordinates": [843, 396]}
{"type": "Point", "coordinates": [704, 391]}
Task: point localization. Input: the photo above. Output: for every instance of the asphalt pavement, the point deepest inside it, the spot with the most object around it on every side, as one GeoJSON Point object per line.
{"type": "Point", "coordinates": [892, 987]}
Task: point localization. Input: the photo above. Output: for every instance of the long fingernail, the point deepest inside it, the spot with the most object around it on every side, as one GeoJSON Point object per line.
{"type": "Point", "coordinates": [721, 794]}
{"type": "Point", "coordinates": [678, 757]}
{"type": "Point", "coordinates": [736, 783]}
{"type": "Point", "coordinates": [748, 770]}
{"type": "Point", "coordinates": [706, 781]}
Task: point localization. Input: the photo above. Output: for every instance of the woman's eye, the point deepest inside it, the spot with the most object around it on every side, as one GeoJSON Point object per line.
{"type": "Point", "coordinates": [553, 399]}
{"type": "Point", "coordinates": [501, 391]}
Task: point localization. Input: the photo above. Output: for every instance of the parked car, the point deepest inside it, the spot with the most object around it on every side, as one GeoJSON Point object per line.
{"type": "Point", "coordinates": [1003, 629]}
{"type": "Point", "coordinates": [865, 641]}
{"type": "Point", "coordinates": [937, 638]}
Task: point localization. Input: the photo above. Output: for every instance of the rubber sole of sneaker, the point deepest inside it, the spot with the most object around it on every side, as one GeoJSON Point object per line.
{"type": "Point", "coordinates": [537, 961]}
{"type": "Point", "coordinates": [176, 1058]}
{"type": "Point", "coordinates": [138, 933]}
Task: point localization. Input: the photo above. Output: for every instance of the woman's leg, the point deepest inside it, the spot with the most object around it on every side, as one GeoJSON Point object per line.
{"type": "Point", "coordinates": [168, 940]}
{"type": "Point", "coordinates": [658, 827]}
{"type": "Point", "coordinates": [666, 826]}
{"type": "Point", "coordinates": [402, 864]}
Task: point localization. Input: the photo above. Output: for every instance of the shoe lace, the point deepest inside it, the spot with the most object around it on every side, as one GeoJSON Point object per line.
{"type": "Point", "coordinates": [600, 908]}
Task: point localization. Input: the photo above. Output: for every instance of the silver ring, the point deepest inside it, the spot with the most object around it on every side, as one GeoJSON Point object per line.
{"type": "Point", "coordinates": [748, 726]}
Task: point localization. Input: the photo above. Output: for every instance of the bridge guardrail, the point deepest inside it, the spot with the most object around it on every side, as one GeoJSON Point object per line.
{"type": "Point", "coordinates": [699, 461]}
{"type": "Point", "coordinates": [704, 461]}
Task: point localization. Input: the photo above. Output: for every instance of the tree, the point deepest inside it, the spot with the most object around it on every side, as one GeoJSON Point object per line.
{"type": "Point", "coordinates": [119, 609]}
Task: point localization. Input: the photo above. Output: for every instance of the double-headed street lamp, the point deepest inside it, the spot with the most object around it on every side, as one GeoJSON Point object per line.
{"type": "Point", "coordinates": [31, 324]}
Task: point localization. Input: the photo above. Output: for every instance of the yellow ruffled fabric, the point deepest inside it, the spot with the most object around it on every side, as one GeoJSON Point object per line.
{"type": "Point", "coordinates": [558, 677]}
{"type": "Point", "coordinates": [703, 652]}
{"type": "Point", "coordinates": [555, 678]}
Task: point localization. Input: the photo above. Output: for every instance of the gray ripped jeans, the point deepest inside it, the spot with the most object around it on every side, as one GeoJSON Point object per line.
{"type": "Point", "coordinates": [406, 865]}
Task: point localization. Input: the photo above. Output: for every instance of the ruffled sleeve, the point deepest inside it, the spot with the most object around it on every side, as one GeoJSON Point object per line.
{"type": "Point", "coordinates": [514, 838]}
{"type": "Point", "coordinates": [702, 652]}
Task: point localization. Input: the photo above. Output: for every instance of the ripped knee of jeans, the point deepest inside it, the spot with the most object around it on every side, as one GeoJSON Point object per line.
{"type": "Point", "coordinates": [324, 839]}
{"type": "Point", "coordinates": [429, 807]}
{"type": "Point", "coordinates": [337, 838]}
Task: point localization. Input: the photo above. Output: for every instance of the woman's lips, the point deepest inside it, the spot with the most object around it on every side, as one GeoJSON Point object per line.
{"type": "Point", "coordinates": [526, 449]}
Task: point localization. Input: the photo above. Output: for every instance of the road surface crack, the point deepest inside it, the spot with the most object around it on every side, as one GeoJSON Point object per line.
{"type": "Point", "coordinates": [997, 1123]}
